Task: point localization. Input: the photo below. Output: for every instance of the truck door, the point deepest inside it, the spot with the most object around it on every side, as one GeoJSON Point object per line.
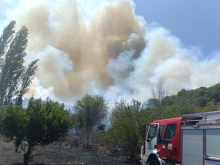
{"type": "Point", "coordinates": [169, 144]}
{"type": "Point", "coordinates": [159, 140]}
{"type": "Point", "coordinates": [151, 140]}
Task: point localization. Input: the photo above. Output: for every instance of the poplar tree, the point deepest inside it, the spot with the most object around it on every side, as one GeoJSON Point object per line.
{"type": "Point", "coordinates": [14, 77]}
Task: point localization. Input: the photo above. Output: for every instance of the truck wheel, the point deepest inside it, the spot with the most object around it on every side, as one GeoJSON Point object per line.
{"type": "Point", "coordinates": [153, 162]}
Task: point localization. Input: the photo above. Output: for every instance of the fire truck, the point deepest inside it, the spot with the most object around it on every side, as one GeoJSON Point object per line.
{"type": "Point", "coordinates": [193, 139]}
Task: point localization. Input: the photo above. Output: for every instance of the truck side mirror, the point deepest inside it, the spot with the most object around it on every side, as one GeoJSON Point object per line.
{"type": "Point", "coordinates": [143, 130]}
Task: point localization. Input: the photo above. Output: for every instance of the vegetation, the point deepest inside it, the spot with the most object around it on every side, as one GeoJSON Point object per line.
{"type": "Point", "coordinates": [91, 110]}
{"type": "Point", "coordinates": [127, 119]}
{"type": "Point", "coordinates": [41, 123]}
{"type": "Point", "coordinates": [125, 129]}
{"type": "Point", "coordinates": [14, 77]}
{"type": "Point", "coordinates": [201, 97]}
{"type": "Point", "coordinates": [44, 122]}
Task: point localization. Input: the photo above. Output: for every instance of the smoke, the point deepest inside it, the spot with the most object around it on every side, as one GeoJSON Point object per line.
{"type": "Point", "coordinates": [104, 47]}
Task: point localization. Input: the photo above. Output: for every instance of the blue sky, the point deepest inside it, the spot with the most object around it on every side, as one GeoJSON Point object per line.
{"type": "Point", "coordinates": [195, 22]}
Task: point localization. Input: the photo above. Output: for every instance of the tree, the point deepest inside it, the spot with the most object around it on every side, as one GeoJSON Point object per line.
{"type": "Point", "coordinates": [125, 127]}
{"type": "Point", "coordinates": [159, 91]}
{"type": "Point", "coordinates": [6, 38]}
{"type": "Point", "coordinates": [27, 77]}
{"type": "Point", "coordinates": [41, 123]}
{"type": "Point", "coordinates": [91, 111]}
{"type": "Point", "coordinates": [12, 53]}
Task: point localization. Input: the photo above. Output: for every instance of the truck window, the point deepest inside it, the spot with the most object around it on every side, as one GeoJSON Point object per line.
{"type": "Point", "coordinates": [152, 131]}
{"type": "Point", "coordinates": [161, 128]}
{"type": "Point", "coordinates": [170, 131]}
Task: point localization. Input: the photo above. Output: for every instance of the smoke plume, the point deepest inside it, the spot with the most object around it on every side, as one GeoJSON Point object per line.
{"type": "Point", "coordinates": [105, 48]}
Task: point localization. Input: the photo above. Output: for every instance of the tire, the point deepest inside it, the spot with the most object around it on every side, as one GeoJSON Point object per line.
{"type": "Point", "coordinates": [153, 162]}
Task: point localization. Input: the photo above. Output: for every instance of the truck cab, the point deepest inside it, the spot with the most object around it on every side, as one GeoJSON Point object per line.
{"type": "Point", "coordinates": [162, 143]}
{"type": "Point", "coordinates": [192, 139]}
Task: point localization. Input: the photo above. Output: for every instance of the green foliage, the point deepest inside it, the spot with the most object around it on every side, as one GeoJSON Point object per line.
{"type": "Point", "coordinates": [125, 129]}
{"type": "Point", "coordinates": [13, 120]}
{"type": "Point", "coordinates": [127, 119]}
{"type": "Point", "coordinates": [200, 97]}
{"type": "Point", "coordinates": [42, 122]}
{"type": "Point", "coordinates": [101, 127]}
{"type": "Point", "coordinates": [91, 110]}
{"type": "Point", "coordinates": [26, 78]}
{"type": "Point", "coordinates": [12, 53]}
{"type": "Point", "coordinates": [6, 38]}
{"type": "Point", "coordinates": [48, 121]}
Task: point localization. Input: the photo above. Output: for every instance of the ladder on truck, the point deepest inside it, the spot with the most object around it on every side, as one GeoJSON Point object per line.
{"type": "Point", "coordinates": [201, 118]}
{"type": "Point", "coordinates": [201, 138]}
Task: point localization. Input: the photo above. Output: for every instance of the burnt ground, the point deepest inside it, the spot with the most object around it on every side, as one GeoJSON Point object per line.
{"type": "Point", "coordinates": [55, 154]}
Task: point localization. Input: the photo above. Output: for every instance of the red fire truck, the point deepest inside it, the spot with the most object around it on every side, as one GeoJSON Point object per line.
{"type": "Point", "coordinates": [192, 139]}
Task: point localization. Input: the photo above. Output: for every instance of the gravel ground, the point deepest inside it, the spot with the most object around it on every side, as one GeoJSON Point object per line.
{"type": "Point", "coordinates": [56, 155]}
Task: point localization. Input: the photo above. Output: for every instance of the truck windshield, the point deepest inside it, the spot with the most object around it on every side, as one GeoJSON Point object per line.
{"type": "Point", "coordinates": [152, 131]}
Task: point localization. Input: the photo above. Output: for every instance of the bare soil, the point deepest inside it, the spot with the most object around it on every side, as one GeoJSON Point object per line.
{"type": "Point", "coordinates": [57, 155]}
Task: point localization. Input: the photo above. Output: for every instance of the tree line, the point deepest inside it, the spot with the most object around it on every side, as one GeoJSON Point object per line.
{"type": "Point", "coordinates": [126, 119]}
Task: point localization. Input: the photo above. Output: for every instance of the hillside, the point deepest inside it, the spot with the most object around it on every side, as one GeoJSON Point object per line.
{"type": "Point", "coordinates": [201, 97]}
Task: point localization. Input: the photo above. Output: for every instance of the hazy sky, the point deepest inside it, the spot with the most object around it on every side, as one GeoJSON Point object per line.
{"type": "Point", "coordinates": [195, 22]}
{"type": "Point", "coordinates": [118, 48]}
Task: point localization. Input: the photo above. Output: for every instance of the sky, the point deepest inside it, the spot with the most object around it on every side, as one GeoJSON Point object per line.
{"type": "Point", "coordinates": [118, 48]}
{"type": "Point", "coordinates": [194, 22]}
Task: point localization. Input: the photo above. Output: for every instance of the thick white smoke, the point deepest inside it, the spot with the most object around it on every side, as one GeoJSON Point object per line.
{"type": "Point", "coordinates": [104, 47]}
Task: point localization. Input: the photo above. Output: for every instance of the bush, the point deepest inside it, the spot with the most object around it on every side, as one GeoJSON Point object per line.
{"type": "Point", "coordinates": [41, 123]}
{"type": "Point", "coordinates": [125, 129]}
